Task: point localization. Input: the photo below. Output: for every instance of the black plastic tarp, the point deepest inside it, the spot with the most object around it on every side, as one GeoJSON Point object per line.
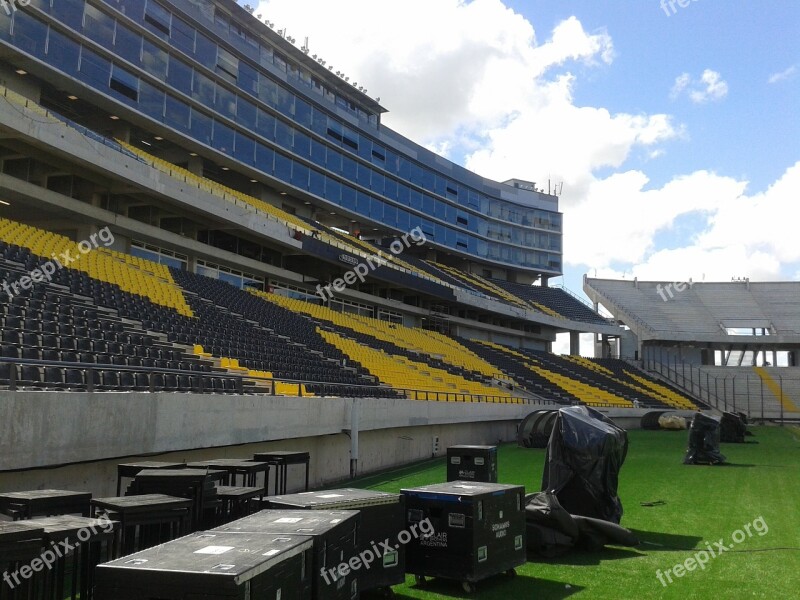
{"type": "Point", "coordinates": [534, 430]}
{"type": "Point", "coordinates": [584, 456]}
{"type": "Point", "coordinates": [552, 531]}
{"type": "Point", "coordinates": [732, 428]}
{"type": "Point", "coordinates": [704, 441]}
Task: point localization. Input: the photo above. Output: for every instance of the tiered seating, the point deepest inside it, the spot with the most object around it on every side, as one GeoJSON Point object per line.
{"type": "Point", "coordinates": [129, 273]}
{"type": "Point", "coordinates": [553, 300]}
{"type": "Point", "coordinates": [265, 339]}
{"type": "Point", "coordinates": [424, 345]}
{"type": "Point", "coordinates": [64, 325]}
{"type": "Point", "coordinates": [402, 373]}
{"type": "Point", "coordinates": [568, 378]}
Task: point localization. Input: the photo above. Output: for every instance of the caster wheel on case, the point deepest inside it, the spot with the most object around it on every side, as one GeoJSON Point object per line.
{"type": "Point", "coordinates": [419, 579]}
{"type": "Point", "coordinates": [468, 587]}
{"type": "Point", "coordinates": [511, 572]}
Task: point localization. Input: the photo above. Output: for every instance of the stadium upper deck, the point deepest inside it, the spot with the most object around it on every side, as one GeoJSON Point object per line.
{"type": "Point", "coordinates": [198, 80]}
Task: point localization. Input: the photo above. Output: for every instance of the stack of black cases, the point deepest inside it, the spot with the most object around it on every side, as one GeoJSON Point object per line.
{"type": "Point", "coordinates": [382, 520]}
{"type": "Point", "coordinates": [212, 566]}
{"type": "Point", "coordinates": [478, 530]}
{"type": "Point", "coordinates": [334, 533]}
{"type": "Point", "coordinates": [472, 463]}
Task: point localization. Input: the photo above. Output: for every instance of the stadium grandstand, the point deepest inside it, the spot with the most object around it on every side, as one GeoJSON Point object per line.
{"type": "Point", "coordinates": [733, 344]}
{"type": "Point", "coordinates": [208, 240]}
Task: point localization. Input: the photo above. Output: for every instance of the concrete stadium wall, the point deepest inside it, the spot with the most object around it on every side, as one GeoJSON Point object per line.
{"type": "Point", "coordinates": [75, 440]}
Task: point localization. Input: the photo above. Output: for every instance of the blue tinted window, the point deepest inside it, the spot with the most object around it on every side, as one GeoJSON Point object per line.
{"type": "Point", "coordinates": [246, 113]}
{"type": "Point", "coordinates": [225, 102]}
{"type": "Point", "coordinates": [333, 190]}
{"type": "Point", "coordinates": [30, 34]}
{"type": "Point", "coordinates": [334, 162]}
{"type": "Point", "coordinates": [267, 90]}
{"type": "Point", "coordinates": [319, 122]}
{"type": "Point", "coordinates": [403, 194]}
{"type": "Point", "coordinates": [154, 60]}
{"type": "Point", "coordinates": [245, 148]}
{"type": "Point", "coordinates": [157, 19]}
{"type": "Point", "coordinates": [300, 175]}
{"type": "Point", "coordinates": [180, 75]}
{"type": "Point", "coordinates": [265, 125]}
{"type": "Point", "coordinates": [265, 157]}
{"type": "Point", "coordinates": [98, 26]}
{"type": "Point", "coordinates": [390, 215]}
{"type": "Point", "coordinates": [201, 126]}
{"type": "Point", "coordinates": [124, 85]}
{"type": "Point", "coordinates": [349, 197]}
{"type": "Point", "coordinates": [70, 12]}
{"type": "Point", "coordinates": [151, 101]}
{"type": "Point", "coordinates": [205, 50]}
{"type": "Point", "coordinates": [349, 168]}
{"type": "Point", "coordinates": [302, 144]}
{"type": "Point", "coordinates": [223, 138]}
{"type": "Point", "coordinates": [391, 189]}
{"type": "Point", "coordinates": [318, 152]}
{"type": "Point", "coordinates": [248, 78]}
{"type": "Point", "coordinates": [283, 167]}
{"type": "Point", "coordinates": [363, 176]}
{"type": "Point", "coordinates": [416, 199]}
{"type": "Point", "coordinates": [177, 113]}
{"type": "Point", "coordinates": [403, 220]}
{"type": "Point", "coordinates": [283, 134]}
{"type": "Point", "coordinates": [378, 182]}
{"type": "Point", "coordinates": [302, 112]}
{"type": "Point", "coordinates": [62, 53]}
{"type": "Point", "coordinates": [317, 183]}
{"type": "Point", "coordinates": [363, 202]}
{"type": "Point", "coordinates": [376, 209]}
{"type": "Point", "coordinates": [128, 45]}
{"type": "Point", "coordinates": [182, 35]}
{"type": "Point", "coordinates": [93, 69]}
{"type": "Point", "coordinates": [203, 89]}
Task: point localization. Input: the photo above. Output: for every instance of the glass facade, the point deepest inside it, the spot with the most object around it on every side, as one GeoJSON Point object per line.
{"type": "Point", "coordinates": [191, 66]}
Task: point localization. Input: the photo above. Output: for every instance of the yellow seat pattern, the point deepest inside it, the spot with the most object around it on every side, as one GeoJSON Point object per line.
{"type": "Point", "coordinates": [281, 388]}
{"type": "Point", "coordinates": [401, 373]}
{"type": "Point", "coordinates": [587, 393]}
{"type": "Point", "coordinates": [428, 343]}
{"type": "Point", "coordinates": [135, 275]}
{"type": "Point", "coordinates": [664, 394]}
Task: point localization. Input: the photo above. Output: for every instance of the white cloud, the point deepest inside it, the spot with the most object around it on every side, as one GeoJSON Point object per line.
{"type": "Point", "coordinates": [787, 73]}
{"type": "Point", "coordinates": [710, 86]}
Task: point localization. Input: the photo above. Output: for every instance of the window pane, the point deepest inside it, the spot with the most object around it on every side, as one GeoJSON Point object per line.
{"type": "Point", "coordinates": [265, 158]}
{"type": "Point", "coordinates": [151, 101]}
{"type": "Point", "coordinates": [203, 89]}
{"type": "Point", "coordinates": [223, 137]}
{"type": "Point", "coordinates": [201, 127]}
{"type": "Point", "coordinates": [128, 45]}
{"type": "Point", "coordinates": [245, 148]}
{"type": "Point", "coordinates": [154, 60]}
{"type": "Point", "coordinates": [265, 125]}
{"type": "Point", "coordinates": [93, 69]}
{"type": "Point", "coordinates": [63, 53]}
{"type": "Point", "coordinates": [177, 113]}
{"type": "Point", "coordinates": [180, 75]}
{"type": "Point", "coordinates": [98, 26]}
{"type": "Point", "coordinates": [30, 34]}
{"type": "Point", "coordinates": [182, 35]}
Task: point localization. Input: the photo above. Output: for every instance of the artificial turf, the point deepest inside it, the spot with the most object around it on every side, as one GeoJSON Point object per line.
{"type": "Point", "coordinates": [700, 505]}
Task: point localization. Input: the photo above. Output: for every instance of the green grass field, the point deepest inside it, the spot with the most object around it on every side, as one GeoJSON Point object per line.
{"type": "Point", "coordinates": [702, 505]}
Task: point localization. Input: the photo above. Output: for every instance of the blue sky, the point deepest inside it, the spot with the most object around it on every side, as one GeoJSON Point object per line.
{"type": "Point", "coordinates": [676, 136]}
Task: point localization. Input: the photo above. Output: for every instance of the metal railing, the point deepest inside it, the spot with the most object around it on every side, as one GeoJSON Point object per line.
{"type": "Point", "coordinates": [737, 392]}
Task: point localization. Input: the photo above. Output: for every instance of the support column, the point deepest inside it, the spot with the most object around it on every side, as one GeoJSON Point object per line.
{"type": "Point", "coordinates": [574, 343]}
